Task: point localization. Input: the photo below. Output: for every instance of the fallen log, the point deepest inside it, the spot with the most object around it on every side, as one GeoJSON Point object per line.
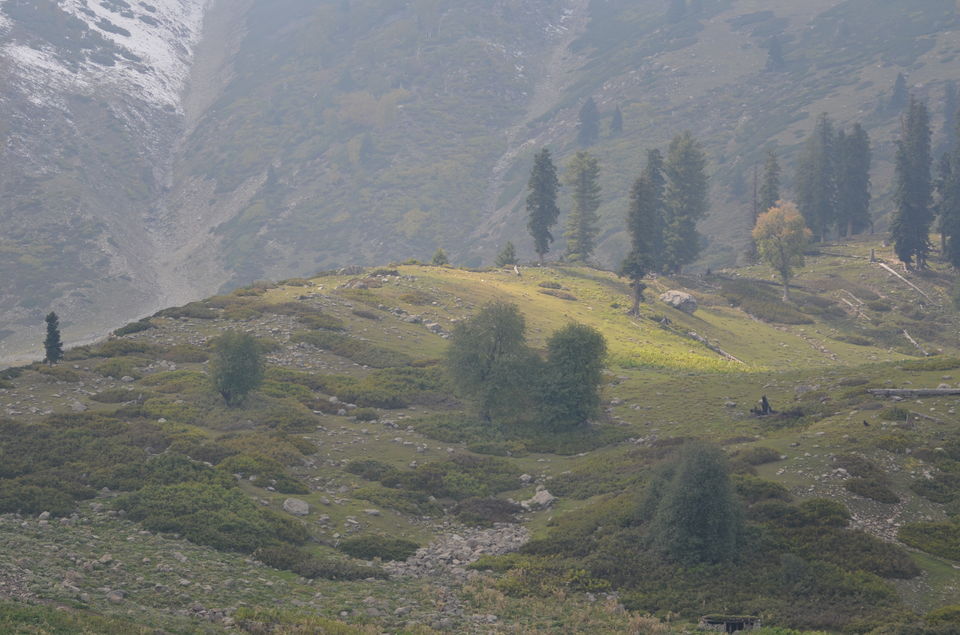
{"type": "Point", "coordinates": [913, 392]}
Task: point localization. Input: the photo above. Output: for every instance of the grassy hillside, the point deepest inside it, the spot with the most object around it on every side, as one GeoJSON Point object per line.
{"type": "Point", "coordinates": [164, 502]}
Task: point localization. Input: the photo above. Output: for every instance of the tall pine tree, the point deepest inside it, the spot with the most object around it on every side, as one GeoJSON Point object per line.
{"type": "Point", "coordinates": [645, 226]}
{"type": "Point", "coordinates": [948, 205]}
{"type": "Point", "coordinates": [542, 202]}
{"type": "Point", "coordinates": [685, 201]}
{"type": "Point", "coordinates": [950, 107]}
{"type": "Point", "coordinates": [898, 94]}
{"type": "Point", "coordinates": [583, 177]}
{"type": "Point", "coordinates": [589, 128]}
{"type": "Point", "coordinates": [816, 179]}
{"type": "Point", "coordinates": [769, 191]}
{"type": "Point", "coordinates": [52, 344]}
{"type": "Point", "coordinates": [616, 122]}
{"type": "Point", "coordinates": [910, 227]}
{"type": "Point", "coordinates": [853, 181]}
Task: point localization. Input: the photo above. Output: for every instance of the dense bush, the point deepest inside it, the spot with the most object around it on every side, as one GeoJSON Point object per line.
{"type": "Point", "coordinates": [120, 367]}
{"type": "Point", "coordinates": [383, 547]}
{"type": "Point", "coordinates": [762, 302]}
{"type": "Point", "coordinates": [938, 538]}
{"type": "Point", "coordinates": [389, 388]}
{"type": "Point", "coordinates": [759, 456]}
{"type": "Point", "coordinates": [875, 489]}
{"type": "Point", "coordinates": [210, 514]}
{"type": "Point", "coordinates": [134, 327]}
{"type": "Point", "coordinates": [486, 511]}
{"type": "Point", "coordinates": [265, 471]}
{"type": "Point", "coordinates": [193, 310]}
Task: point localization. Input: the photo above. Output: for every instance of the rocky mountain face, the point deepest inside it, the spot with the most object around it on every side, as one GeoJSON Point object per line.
{"type": "Point", "coordinates": [152, 152]}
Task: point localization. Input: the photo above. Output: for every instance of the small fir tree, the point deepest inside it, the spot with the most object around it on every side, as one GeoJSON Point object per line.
{"type": "Point", "coordinates": [588, 130]}
{"type": "Point", "coordinates": [52, 344]}
{"type": "Point", "coordinates": [910, 227]}
{"type": "Point", "coordinates": [237, 367]}
{"type": "Point", "coordinates": [775, 60]}
{"type": "Point", "coordinates": [685, 201]}
{"type": "Point", "coordinates": [583, 177]}
{"type": "Point", "coordinates": [950, 107]}
{"type": "Point", "coordinates": [440, 258]}
{"type": "Point", "coordinates": [781, 236]}
{"type": "Point", "coordinates": [769, 191]}
{"type": "Point", "coordinates": [542, 207]}
{"type": "Point", "coordinates": [645, 224]}
{"type": "Point", "coordinates": [948, 187]}
{"type": "Point", "coordinates": [616, 122]}
{"type": "Point", "coordinates": [507, 256]}
{"type": "Point", "coordinates": [898, 94]}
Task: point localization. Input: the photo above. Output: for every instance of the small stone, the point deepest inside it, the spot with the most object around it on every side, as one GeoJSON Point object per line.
{"type": "Point", "coordinates": [296, 507]}
{"type": "Point", "coordinates": [115, 596]}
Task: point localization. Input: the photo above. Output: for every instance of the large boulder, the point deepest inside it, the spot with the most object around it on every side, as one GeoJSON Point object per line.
{"type": "Point", "coordinates": [680, 300]}
{"type": "Point", "coordinates": [541, 500]}
{"type": "Point", "coordinates": [296, 507]}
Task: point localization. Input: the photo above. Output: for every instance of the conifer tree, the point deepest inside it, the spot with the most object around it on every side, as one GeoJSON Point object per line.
{"type": "Point", "coordinates": [816, 179]}
{"type": "Point", "coordinates": [950, 107]}
{"type": "Point", "coordinates": [616, 122]}
{"type": "Point", "coordinates": [775, 61]}
{"type": "Point", "coordinates": [949, 206]}
{"type": "Point", "coordinates": [440, 258]}
{"type": "Point", "coordinates": [769, 192]}
{"type": "Point", "coordinates": [52, 344]}
{"type": "Point", "coordinates": [507, 256]}
{"type": "Point", "coordinates": [588, 130]}
{"type": "Point", "coordinates": [853, 181]}
{"type": "Point", "coordinates": [899, 94]}
{"type": "Point", "coordinates": [542, 207]}
{"type": "Point", "coordinates": [910, 227]}
{"type": "Point", "coordinates": [583, 177]}
{"type": "Point", "coordinates": [685, 201]}
{"type": "Point", "coordinates": [645, 226]}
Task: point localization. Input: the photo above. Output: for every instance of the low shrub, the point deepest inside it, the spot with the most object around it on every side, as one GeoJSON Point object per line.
{"type": "Point", "coordinates": [879, 305]}
{"type": "Point", "coordinates": [134, 327]}
{"type": "Point", "coordinates": [405, 501]}
{"type": "Point", "coordinates": [937, 538]}
{"type": "Point", "coordinates": [370, 469]}
{"type": "Point", "coordinates": [119, 367]}
{"type": "Point", "coordinates": [389, 388]}
{"type": "Point", "coordinates": [194, 310]}
{"type": "Point", "coordinates": [942, 488]}
{"type": "Point", "coordinates": [416, 298]}
{"type": "Point", "coordinates": [366, 414]}
{"type": "Point", "coordinates": [550, 284]}
{"type": "Point", "coordinates": [59, 373]}
{"type": "Point", "coordinates": [896, 413]}
{"type": "Point", "coordinates": [367, 315]}
{"type": "Point", "coordinates": [896, 443]}
{"type": "Point", "coordinates": [563, 295]}
{"type": "Point", "coordinates": [119, 395]}
{"type": "Point", "coordinates": [356, 350]}
{"type": "Point", "coordinates": [310, 566]}
{"type": "Point", "coordinates": [486, 511]}
{"type": "Point", "coordinates": [264, 472]}
{"type": "Point", "coordinates": [759, 456]}
{"type": "Point", "coordinates": [185, 354]}
{"type": "Point", "coordinates": [322, 321]}
{"type": "Point", "coordinates": [931, 363]}
{"type": "Point", "coordinates": [373, 546]}
{"type": "Point", "coordinates": [754, 490]}
{"type": "Point", "coordinates": [762, 302]}
{"type": "Point", "coordinates": [873, 489]}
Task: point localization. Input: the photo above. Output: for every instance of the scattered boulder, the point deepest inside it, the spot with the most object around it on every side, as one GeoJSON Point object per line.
{"type": "Point", "coordinates": [680, 300]}
{"type": "Point", "coordinates": [296, 507]}
{"type": "Point", "coordinates": [541, 500]}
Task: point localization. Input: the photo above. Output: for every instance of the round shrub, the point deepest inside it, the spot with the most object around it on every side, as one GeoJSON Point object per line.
{"type": "Point", "coordinates": [383, 547]}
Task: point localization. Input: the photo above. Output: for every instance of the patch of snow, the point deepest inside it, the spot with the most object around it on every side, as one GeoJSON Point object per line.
{"type": "Point", "coordinates": [46, 78]}
{"type": "Point", "coordinates": [162, 36]}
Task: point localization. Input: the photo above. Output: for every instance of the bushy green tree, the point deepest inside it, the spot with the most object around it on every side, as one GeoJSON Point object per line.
{"type": "Point", "coordinates": [238, 366]}
{"type": "Point", "coordinates": [910, 227]}
{"type": "Point", "coordinates": [571, 378]}
{"type": "Point", "coordinates": [583, 177]}
{"type": "Point", "coordinates": [781, 236]}
{"type": "Point", "coordinates": [440, 258]}
{"type": "Point", "coordinates": [52, 344]}
{"type": "Point", "coordinates": [645, 224]}
{"type": "Point", "coordinates": [698, 516]}
{"type": "Point", "coordinates": [542, 207]}
{"type": "Point", "coordinates": [507, 256]}
{"type": "Point", "coordinates": [588, 130]}
{"type": "Point", "coordinates": [489, 361]}
{"type": "Point", "coordinates": [685, 199]}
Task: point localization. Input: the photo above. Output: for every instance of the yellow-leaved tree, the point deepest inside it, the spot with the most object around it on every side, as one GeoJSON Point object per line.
{"type": "Point", "coordinates": [781, 235]}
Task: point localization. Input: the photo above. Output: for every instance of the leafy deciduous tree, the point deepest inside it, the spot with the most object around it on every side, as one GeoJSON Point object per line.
{"type": "Point", "coordinates": [489, 361]}
{"type": "Point", "coordinates": [237, 366]}
{"type": "Point", "coordinates": [570, 382]}
{"type": "Point", "coordinates": [780, 236]}
{"type": "Point", "coordinates": [583, 177]}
